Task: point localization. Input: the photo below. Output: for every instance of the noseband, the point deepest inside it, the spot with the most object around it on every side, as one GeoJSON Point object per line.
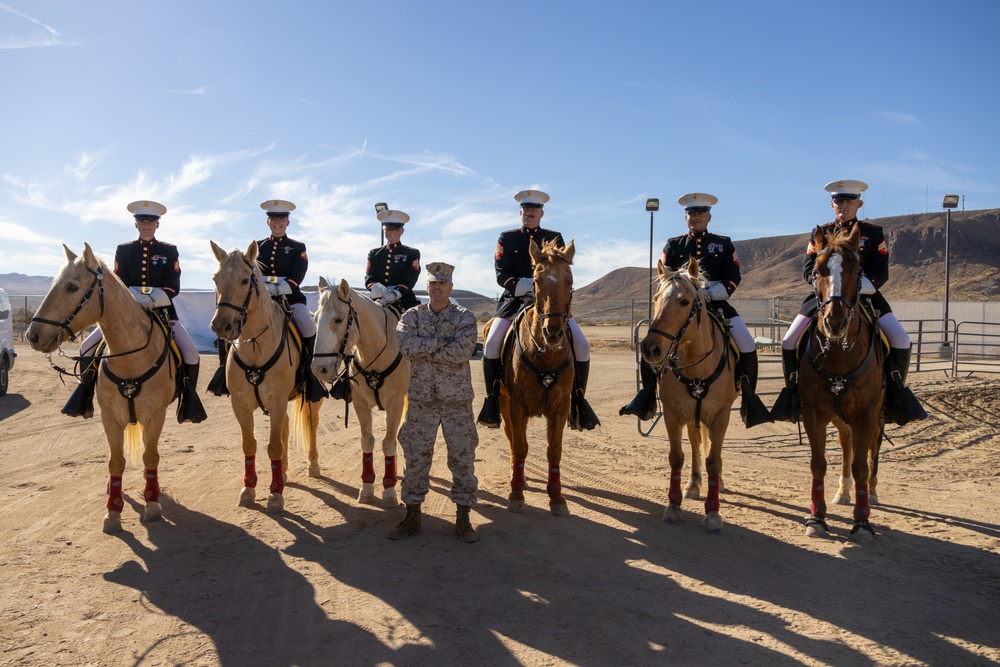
{"type": "Point", "coordinates": [254, 288]}
{"type": "Point", "coordinates": [676, 339]}
{"type": "Point", "coordinates": [850, 305]}
{"type": "Point", "coordinates": [352, 317]}
{"type": "Point", "coordinates": [98, 284]}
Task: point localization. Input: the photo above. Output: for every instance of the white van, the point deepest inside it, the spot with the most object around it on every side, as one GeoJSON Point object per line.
{"type": "Point", "coordinates": [7, 353]}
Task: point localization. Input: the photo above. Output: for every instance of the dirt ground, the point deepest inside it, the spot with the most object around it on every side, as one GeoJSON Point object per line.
{"type": "Point", "coordinates": [319, 584]}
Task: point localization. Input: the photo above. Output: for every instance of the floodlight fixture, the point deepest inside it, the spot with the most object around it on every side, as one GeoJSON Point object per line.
{"type": "Point", "coordinates": [652, 205]}
{"type": "Point", "coordinates": [950, 201]}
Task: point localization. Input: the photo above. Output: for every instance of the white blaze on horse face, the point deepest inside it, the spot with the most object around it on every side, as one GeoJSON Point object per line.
{"type": "Point", "coordinates": [836, 267]}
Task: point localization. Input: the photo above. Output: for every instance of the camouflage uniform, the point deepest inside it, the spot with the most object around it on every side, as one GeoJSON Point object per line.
{"type": "Point", "coordinates": [439, 346]}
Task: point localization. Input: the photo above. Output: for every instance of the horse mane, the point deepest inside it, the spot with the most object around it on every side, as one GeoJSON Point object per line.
{"type": "Point", "coordinates": [553, 251]}
{"type": "Point", "coordinates": [680, 276]}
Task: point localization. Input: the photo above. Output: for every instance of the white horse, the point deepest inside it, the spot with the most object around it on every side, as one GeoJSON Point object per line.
{"type": "Point", "coordinates": [353, 329]}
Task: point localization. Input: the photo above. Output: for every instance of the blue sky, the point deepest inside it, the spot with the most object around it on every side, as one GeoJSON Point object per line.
{"type": "Point", "coordinates": [446, 109]}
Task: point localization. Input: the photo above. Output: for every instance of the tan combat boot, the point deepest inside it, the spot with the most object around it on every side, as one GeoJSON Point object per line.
{"type": "Point", "coordinates": [410, 524]}
{"type": "Point", "coordinates": [463, 527]}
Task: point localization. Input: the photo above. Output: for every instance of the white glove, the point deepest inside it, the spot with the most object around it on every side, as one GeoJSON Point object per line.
{"type": "Point", "coordinates": [524, 286]}
{"type": "Point", "coordinates": [866, 286]}
{"type": "Point", "coordinates": [392, 295]}
{"type": "Point", "coordinates": [376, 291]}
{"type": "Point", "coordinates": [144, 300]}
{"type": "Point", "coordinates": [714, 291]}
{"type": "Point", "coordinates": [272, 288]}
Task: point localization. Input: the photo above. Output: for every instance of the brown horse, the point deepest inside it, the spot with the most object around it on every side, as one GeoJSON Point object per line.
{"type": "Point", "coordinates": [692, 356]}
{"type": "Point", "coordinates": [354, 330]}
{"type": "Point", "coordinates": [260, 371]}
{"type": "Point", "coordinates": [840, 381]}
{"type": "Point", "coordinates": [538, 371]}
{"type": "Point", "coordinates": [137, 379]}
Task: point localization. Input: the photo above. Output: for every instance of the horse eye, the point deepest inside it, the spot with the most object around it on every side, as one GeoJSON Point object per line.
{"type": "Point", "coordinates": [72, 288]}
{"type": "Point", "coordinates": [338, 320]}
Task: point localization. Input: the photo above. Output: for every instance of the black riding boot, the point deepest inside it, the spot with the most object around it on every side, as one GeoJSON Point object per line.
{"type": "Point", "coordinates": [752, 409]}
{"type": "Point", "coordinates": [904, 405]}
{"type": "Point", "coordinates": [643, 405]}
{"type": "Point", "coordinates": [786, 407]}
{"type": "Point", "coordinates": [217, 385]}
{"type": "Point", "coordinates": [581, 416]}
{"type": "Point", "coordinates": [189, 407]}
{"type": "Point", "coordinates": [315, 391]}
{"type": "Point", "coordinates": [489, 416]}
{"type": "Point", "coordinates": [81, 401]}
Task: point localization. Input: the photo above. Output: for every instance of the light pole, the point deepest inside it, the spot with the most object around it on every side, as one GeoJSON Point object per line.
{"type": "Point", "coordinates": [949, 202]}
{"type": "Point", "coordinates": [651, 206]}
{"type": "Point", "coordinates": [379, 207]}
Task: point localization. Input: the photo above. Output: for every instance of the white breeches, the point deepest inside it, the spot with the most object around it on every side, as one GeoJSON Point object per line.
{"type": "Point", "coordinates": [303, 320]}
{"type": "Point", "coordinates": [741, 335]}
{"type": "Point", "coordinates": [893, 330]}
{"type": "Point", "coordinates": [189, 351]}
{"type": "Point", "coordinates": [500, 326]}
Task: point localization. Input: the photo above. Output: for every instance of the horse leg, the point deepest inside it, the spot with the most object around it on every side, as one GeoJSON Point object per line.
{"type": "Point", "coordinates": [843, 495]}
{"type": "Point", "coordinates": [390, 445]}
{"type": "Point", "coordinates": [363, 409]}
{"type": "Point", "coordinates": [672, 513]}
{"type": "Point", "coordinates": [311, 423]}
{"type": "Point", "coordinates": [244, 416]}
{"type": "Point", "coordinates": [865, 434]}
{"type": "Point", "coordinates": [151, 460]}
{"type": "Point", "coordinates": [518, 438]}
{"type": "Point", "coordinates": [277, 448]}
{"type": "Point", "coordinates": [713, 466]}
{"type": "Point", "coordinates": [115, 433]}
{"type": "Point", "coordinates": [816, 431]}
{"type": "Point", "coordinates": [695, 438]}
{"type": "Point", "coordinates": [553, 453]}
{"type": "Point", "coordinates": [873, 466]}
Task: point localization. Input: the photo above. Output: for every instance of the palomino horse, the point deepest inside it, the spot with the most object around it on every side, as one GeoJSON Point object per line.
{"type": "Point", "coordinates": [260, 371]}
{"type": "Point", "coordinates": [136, 382]}
{"type": "Point", "coordinates": [538, 370]}
{"type": "Point", "coordinates": [353, 328]}
{"type": "Point", "coordinates": [692, 356]}
{"type": "Point", "coordinates": [840, 381]}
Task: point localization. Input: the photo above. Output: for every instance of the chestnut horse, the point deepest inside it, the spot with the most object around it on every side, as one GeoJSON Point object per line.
{"type": "Point", "coordinates": [137, 379]}
{"type": "Point", "coordinates": [353, 329]}
{"type": "Point", "coordinates": [538, 373]}
{"type": "Point", "coordinates": [260, 371]}
{"type": "Point", "coordinates": [692, 356]}
{"type": "Point", "coordinates": [840, 380]}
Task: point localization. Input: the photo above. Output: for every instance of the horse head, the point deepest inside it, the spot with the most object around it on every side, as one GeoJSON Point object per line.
{"type": "Point", "coordinates": [68, 307]}
{"type": "Point", "coordinates": [237, 283]}
{"type": "Point", "coordinates": [677, 301]}
{"type": "Point", "coordinates": [553, 288]}
{"type": "Point", "coordinates": [837, 279]}
{"type": "Point", "coordinates": [336, 329]}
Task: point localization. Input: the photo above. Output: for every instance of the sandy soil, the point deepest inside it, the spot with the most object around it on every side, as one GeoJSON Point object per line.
{"type": "Point", "coordinates": [215, 584]}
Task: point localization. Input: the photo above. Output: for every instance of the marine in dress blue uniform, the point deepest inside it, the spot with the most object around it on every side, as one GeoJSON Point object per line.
{"type": "Point", "coordinates": [903, 406]}
{"type": "Point", "coordinates": [393, 269]}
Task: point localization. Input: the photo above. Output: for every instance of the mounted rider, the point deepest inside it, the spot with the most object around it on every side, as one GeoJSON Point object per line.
{"type": "Point", "coordinates": [151, 270]}
{"type": "Point", "coordinates": [392, 269]}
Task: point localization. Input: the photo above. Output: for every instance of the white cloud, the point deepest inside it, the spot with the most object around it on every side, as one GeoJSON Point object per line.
{"type": "Point", "coordinates": [897, 117]}
{"type": "Point", "coordinates": [85, 164]}
{"type": "Point", "coordinates": [49, 36]}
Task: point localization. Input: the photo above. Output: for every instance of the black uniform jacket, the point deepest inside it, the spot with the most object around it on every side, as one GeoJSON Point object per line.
{"type": "Point", "coordinates": [874, 263]}
{"type": "Point", "coordinates": [395, 265]}
{"type": "Point", "coordinates": [285, 258]}
{"type": "Point", "coordinates": [512, 261]}
{"type": "Point", "coordinates": [150, 264]}
{"type": "Point", "coordinates": [716, 257]}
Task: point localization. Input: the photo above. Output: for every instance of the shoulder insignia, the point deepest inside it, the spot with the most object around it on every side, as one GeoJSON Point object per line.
{"type": "Point", "coordinates": [883, 249]}
{"type": "Point", "coordinates": [416, 265]}
{"type": "Point", "coordinates": [736, 260]}
{"type": "Point", "coordinates": [499, 253]}
{"type": "Point", "coordinates": [811, 250]}
{"type": "Point", "coordinates": [303, 256]}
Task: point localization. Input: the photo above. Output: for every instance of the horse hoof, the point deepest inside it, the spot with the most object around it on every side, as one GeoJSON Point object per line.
{"type": "Point", "coordinates": [366, 494]}
{"type": "Point", "coordinates": [693, 493]}
{"type": "Point", "coordinates": [247, 497]}
{"type": "Point", "coordinates": [112, 523]}
{"type": "Point", "coordinates": [672, 514]}
{"type": "Point", "coordinates": [558, 506]}
{"type": "Point", "coordinates": [515, 506]}
{"type": "Point", "coordinates": [714, 522]}
{"type": "Point", "coordinates": [314, 469]}
{"type": "Point", "coordinates": [389, 498]}
{"type": "Point", "coordinates": [275, 503]}
{"type": "Point", "coordinates": [872, 500]}
{"type": "Point", "coordinates": [154, 512]}
{"type": "Point", "coordinates": [816, 530]}
{"type": "Point", "coordinates": [842, 499]}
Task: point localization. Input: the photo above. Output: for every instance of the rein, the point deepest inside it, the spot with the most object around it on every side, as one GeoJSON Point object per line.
{"type": "Point", "coordinates": [254, 288]}
{"type": "Point", "coordinates": [838, 384]}
{"type": "Point", "coordinates": [546, 377]}
{"type": "Point", "coordinates": [129, 388]}
{"type": "Point", "coordinates": [255, 374]}
{"type": "Point", "coordinates": [98, 284]}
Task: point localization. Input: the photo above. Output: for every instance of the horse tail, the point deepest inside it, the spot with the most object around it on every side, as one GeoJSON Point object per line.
{"type": "Point", "coordinates": [300, 422]}
{"type": "Point", "coordinates": [133, 442]}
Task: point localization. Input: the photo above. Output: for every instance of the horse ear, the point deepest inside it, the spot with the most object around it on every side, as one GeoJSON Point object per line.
{"type": "Point", "coordinates": [89, 258]}
{"type": "Point", "coordinates": [251, 253]}
{"type": "Point", "coordinates": [661, 268]}
{"type": "Point", "coordinates": [344, 290]}
{"type": "Point", "coordinates": [819, 239]}
{"type": "Point", "coordinates": [535, 252]}
{"type": "Point", "coordinates": [854, 238]}
{"type": "Point", "coordinates": [569, 251]}
{"type": "Point", "coordinates": [219, 253]}
{"type": "Point", "coordinates": [693, 270]}
{"type": "Point", "coordinates": [70, 255]}
{"type": "Point", "coordinates": [323, 285]}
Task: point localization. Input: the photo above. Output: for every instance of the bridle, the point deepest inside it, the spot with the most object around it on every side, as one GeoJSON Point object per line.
{"type": "Point", "coordinates": [675, 339]}
{"type": "Point", "coordinates": [98, 284]}
{"type": "Point", "coordinates": [542, 316]}
{"type": "Point", "coordinates": [836, 298]}
{"type": "Point", "coordinates": [352, 317]}
{"type": "Point", "coordinates": [254, 288]}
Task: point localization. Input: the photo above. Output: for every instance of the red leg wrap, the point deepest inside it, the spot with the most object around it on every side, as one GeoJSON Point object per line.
{"type": "Point", "coordinates": [861, 507]}
{"type": "Point", "coordinates": [367, 468]}
{"type": "Point", "coordinates": [674, 495]}
{"type": "Point", "coordinates": [712, 499]}
{"type": "Point", "coordinates": [818, 504]}
{"type": "Point", "coordinates": [250, 472]}
{"type": "Point", "coordinates": [277, 477]}
{"type": "Point", "coordinates": [554, 487]}
{"type": "Point", "coordinates": [517, 477]}
{"type": "Point", "coordinates": [389, 480]}
{"type": "Point", "coordinates": [115, 502]}
{"type": "Point", "coordinates": [152, 492]}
